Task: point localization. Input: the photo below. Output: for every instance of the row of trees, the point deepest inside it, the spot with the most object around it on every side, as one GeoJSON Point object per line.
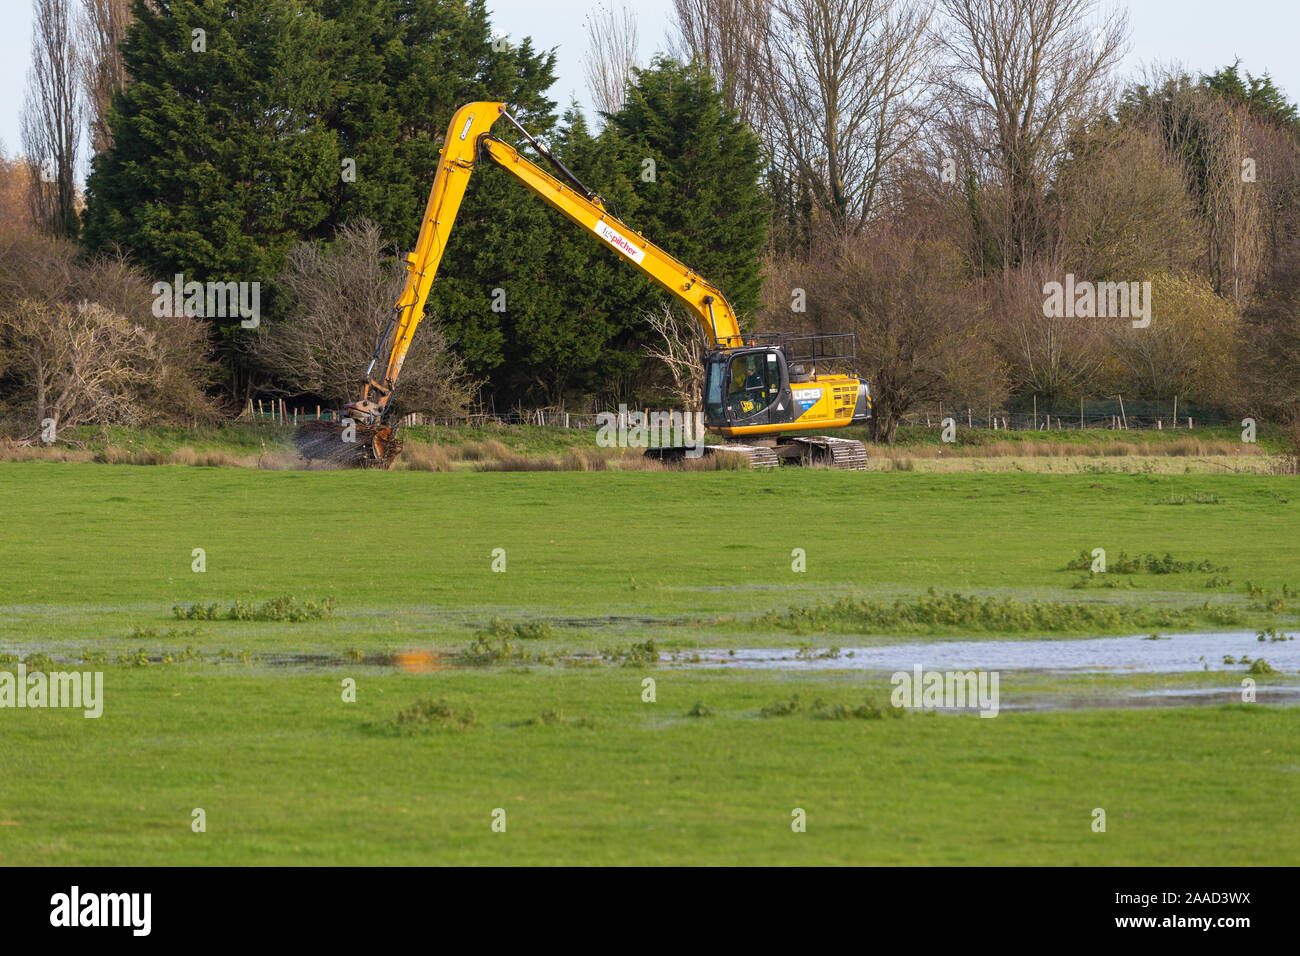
{"type": "Point", "coordinates": [292, 143]}
{"type": "Point", "coordinates": [935, 163]}
{"type": "Point", "coordinates": [914, 171]}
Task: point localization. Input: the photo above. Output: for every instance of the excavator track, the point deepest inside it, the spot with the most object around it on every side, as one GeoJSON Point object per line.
{"type": "Point", "coordinates": [824, 451]}
{"type": "Point", "coordinates": [759, 457]}
{"type": "Point", "coordinates": [844, 454]}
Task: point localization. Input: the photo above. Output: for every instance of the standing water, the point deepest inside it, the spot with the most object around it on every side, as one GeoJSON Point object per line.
{"type": "Point", "coordinates": [1174, 653]}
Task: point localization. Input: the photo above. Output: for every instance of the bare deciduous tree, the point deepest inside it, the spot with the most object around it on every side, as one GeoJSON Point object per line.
{"type": "Point", "coordinates": [1051, 356]}
{"type": "Point", "coordinates": [611, 54]}
{"type": "Point", "coordinates": [680, 347]}
{"type": "Point", "coordinates": [344, 295]}
{"type": "Point", "coordinates": [907, 301]}
{"type": "Point", "coordinates": [102, 27]}
{"type": "Point", "coordinates": [1275, 156]}
{"type": "Point", "coordinates": [845, 92]}
{"type": "Point", "coordinates": [725, 36]}
{"type": "Point", "coordinates": [1270, 365]}
{"type": "Point", "coordinates": [1237, 180]}
{"type": "Point", "coordinates": [80, 343]}
{"type": "Point", "coordinates": [1237, 254]}
{"type": "Point", "coordinates": [53, 111]}
{"type": "Point", "coordinates": [1125, 212]}
{"type": "Point", "coordinates": [1021, 74]}
{"type": "Point", "coordinates": [83, 363]}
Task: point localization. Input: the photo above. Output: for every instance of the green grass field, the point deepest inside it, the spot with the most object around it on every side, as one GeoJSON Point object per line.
{"type": "Point", "coordinates": [586, 771]}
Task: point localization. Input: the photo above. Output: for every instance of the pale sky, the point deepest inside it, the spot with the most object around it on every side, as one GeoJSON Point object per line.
{"type": "Point", "coordinates": [1199, 34]}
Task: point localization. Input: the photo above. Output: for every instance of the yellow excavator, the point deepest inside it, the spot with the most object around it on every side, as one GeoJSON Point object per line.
{"type": "Point", "coordinates": [762, 393]}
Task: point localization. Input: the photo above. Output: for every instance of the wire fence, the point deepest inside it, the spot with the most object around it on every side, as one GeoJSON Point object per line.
{"type": "Point", "coordinates": [1020, 420]}
{"type": "Point", "coordinates": [279, 412]}
{"type": "Point", "coordinates": [1117, 416]}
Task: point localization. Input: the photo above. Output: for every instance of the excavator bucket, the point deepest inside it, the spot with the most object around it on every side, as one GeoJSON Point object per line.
{"type": "Point", "coordinates": [336, 445]}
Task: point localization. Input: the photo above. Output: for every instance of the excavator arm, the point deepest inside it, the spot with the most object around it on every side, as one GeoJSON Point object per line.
{"type": "Point", "coordinates": [755, 390]}
{"type": "Point", "coordinates": [468, 140]}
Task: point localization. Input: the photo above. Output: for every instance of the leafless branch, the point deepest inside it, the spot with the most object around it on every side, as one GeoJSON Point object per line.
{"type": "Point", "coordinates": [611, 54]}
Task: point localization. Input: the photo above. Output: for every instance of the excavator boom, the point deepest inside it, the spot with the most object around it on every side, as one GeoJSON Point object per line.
{"type": "Point", "coordinates": [467, 141]}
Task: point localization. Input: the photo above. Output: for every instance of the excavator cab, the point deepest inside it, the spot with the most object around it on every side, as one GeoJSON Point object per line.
{"type": "Point", "coordinates": [744, 386]}
{"type": "Point", "coordinates": [778, 383]}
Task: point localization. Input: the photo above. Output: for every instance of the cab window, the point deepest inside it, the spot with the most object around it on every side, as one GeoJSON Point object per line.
{"type": "Point", "coordinates": [714, 378]}
{"type": "Point", "coordinates": [753, 383]}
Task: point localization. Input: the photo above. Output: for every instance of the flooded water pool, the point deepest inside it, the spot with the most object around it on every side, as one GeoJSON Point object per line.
{"type": "Point", "coordinates": [1137, 654]}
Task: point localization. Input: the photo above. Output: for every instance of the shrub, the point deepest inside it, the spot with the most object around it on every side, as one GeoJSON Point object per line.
{"type": "Point", "coordinates": [578, 460]}
{"type": "Point", "coordinates": [864, 711]}
{"type": "Point", "coordinates": [934, 612]}
{"type": "Point", "coordinates": [283, 608]}
{"type": "Point", "coordinates": [635, 654]}
{"type": "Point", "coordinates": [196, 612]}
{"type": "Point", "coordinates": [782, 708]}
{"type": "Point", "coordinates": [84, 346]}
{"type": "Point", "coordinates": [482, 651]}
{"type": "Point", "coordinates": [426, 714]}
{"type": "Point", "coordinates": [525, 630]}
